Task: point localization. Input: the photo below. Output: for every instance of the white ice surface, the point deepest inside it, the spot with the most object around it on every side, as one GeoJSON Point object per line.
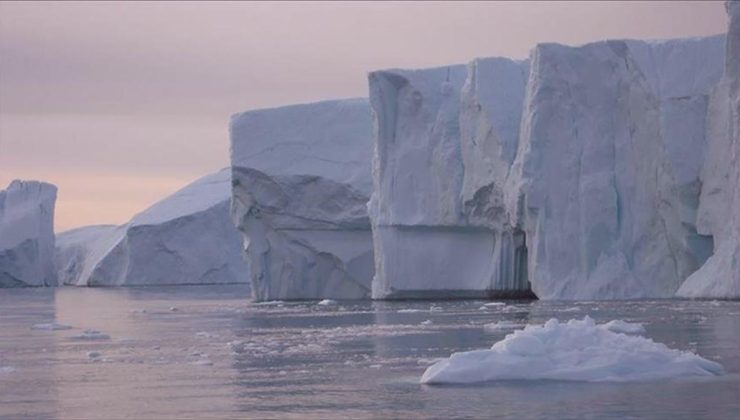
{"type": "Point", "coordinates": [577, 350]}
{"type": "Point", "coordinates": [27, 234]}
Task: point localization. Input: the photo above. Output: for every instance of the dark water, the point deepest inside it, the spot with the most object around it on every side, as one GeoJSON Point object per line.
{"type": "Point", "coordinates": [195, 352]}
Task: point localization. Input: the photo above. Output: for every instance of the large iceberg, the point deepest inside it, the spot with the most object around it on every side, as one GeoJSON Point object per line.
{"type": "Point", "coordinates": [301, 181]}
{"type": "Point", "coordinates": [577, 350]}
{"type": "Point", "coordinates": [445, 138]}
{"type": "Point", "coordinates": [27, 234]}
{"type": "Point", "coordinates": [187, 238]}
{"type": "Point", "coordinates": [719, 208]}
{"type": "Point", "coordinates": [606, 179]}
{"type": "Point", "coordinates": [575, 173]}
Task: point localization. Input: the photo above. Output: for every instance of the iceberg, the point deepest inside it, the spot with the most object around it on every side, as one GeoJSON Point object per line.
{"type": "Point", "coordinates": [186, 238]}
{"type": "Point", "coordinates": [27, 234]}
{"type": "Point", "coordinates": [574, 174]}
{"type": "Point", "coordinates": [719, 205]}
{"type": "Point", "coordinates": [301, 181]}
{"type": "Point", "coordinates": [577, 350]}
{"type": "Point", "coordinates": [605, 183]}
{"type": "Point", "coordinates": [445, 138]}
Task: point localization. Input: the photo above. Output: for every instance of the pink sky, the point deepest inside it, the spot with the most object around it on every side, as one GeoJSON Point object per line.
{"type": "Point", "coordinates": [120, 104]}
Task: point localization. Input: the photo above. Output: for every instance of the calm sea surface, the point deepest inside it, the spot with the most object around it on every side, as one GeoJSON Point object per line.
{"type": "Point", "coordinates": [207, 352]}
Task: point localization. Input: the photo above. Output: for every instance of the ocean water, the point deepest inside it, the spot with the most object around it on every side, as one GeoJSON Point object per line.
{"type": "Point", "coordinates": [207, 352]}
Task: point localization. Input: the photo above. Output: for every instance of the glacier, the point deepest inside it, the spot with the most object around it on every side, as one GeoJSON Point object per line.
{"type": "Point", "coordinates": [301, 182]}
{"type": "Point", "coordinates": [27, 234]}
{"type": "Point", "coordinates": [574, 174]}
{"type": "Point", "coordinates": [186, 238]}
{"type": "Point", "coordinates": [719, 205]}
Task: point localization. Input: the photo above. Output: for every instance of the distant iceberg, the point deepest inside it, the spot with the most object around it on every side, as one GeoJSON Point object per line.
{"type": "Point", "coordinates": [186, 238]}
{"type": "Point", "coordinates": [27, 234]}
{"type": "Point", "coordinates": [577, 350]}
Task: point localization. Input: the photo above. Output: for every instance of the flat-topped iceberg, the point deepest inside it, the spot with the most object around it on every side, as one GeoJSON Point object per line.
{"type": "Point", "coordinates": [301, 180]}
{"type": "Point", "coordinates": [27, 234]}
{"type": "Point", "coordinates": [575, 173]}
{"type": "Point", "coordinates": [606, 180]}
{"type": "Point", "coordinates": [187, 238]}
{"type": "Point", "coordinates": [577, 350]}
{"type": "Point", "coordinates": [445, 138]}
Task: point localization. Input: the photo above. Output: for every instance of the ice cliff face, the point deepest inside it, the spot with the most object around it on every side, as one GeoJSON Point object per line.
{"type": "Point", "coordinates": [444, 139]}
{"type": "Point", "coordinates": [301, 180]}
{"type": "Point", "coordinates": [607, 173]}
{"type": "Point", "coordinates": [719, 209]}
{"type": "Point", "coordinates": [186, 238]}
{"type": "Point", "coordinates": [27, 234]}
{"type": "Point", "coordinates": [578, 170]}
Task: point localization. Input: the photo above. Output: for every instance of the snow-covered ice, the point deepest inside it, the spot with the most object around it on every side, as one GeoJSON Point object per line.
{"type": "Point", "coordinates": [577, 350]}
{"type": "Point", "coordinates": [186, 238]}
{"type": "Point", "coordinates": [27, 234]}
{"type": "Point", "coordinates": [301, 184]}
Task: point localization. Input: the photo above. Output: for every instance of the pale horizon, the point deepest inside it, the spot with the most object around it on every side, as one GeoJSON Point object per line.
{"type": "Point", "coordinates": [122, 104]}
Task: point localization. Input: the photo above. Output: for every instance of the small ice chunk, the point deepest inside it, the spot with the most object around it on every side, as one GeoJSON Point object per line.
{"type": "Point", "coordinates": [270, 303]}
{"type": "Point", "coordinates": [494, 304]}
{"type": "Point", "coordinates": [577, 350]}
{"type": "Point", "coordinates": [427, 322]}
{"type": "Point", "coordinates": [91, 335]}
{"type": "Point", "coordinates": [7, 369]}
{"type": "Point", "coordinates": [202, 362]}
{"type": "Point", "coordinates": [327, 302]}
{"type": "Point", "coordinates": [619, 326]}
{"type": "Point", "coordinates": [173, 309]}
{"type": "Point", "coordinates": [204, 334]}
{"type": "Point", "coordinates": [502, 325]}
{"type": "Point", "coordinates": [410, 311]}
{"type": "Point", "coordinates": [51, 326]}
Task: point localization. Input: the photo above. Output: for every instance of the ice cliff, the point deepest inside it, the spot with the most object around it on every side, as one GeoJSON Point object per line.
{"type": "Point", "coordinates": [719, 208]}
{"type": "Point", "coordinates": [606, 180]}
{"type": "Point", "coordinates": [187, 238]}
{"type": "Point", "coordinates": [301, 181]}
{"type": "Point", "coordinates": [444, 140]}
{"type": "Point", "coordinates": [27, 234]}
{"type": "Point", "coordinates": [577, 171]}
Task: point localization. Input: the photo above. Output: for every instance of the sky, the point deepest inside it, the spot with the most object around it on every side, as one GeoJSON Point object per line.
{"type": "Point", "coordinates": [120, 104]}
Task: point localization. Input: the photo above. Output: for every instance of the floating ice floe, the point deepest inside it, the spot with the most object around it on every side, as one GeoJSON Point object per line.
{"type": "Point", "coordinates": [619, 326]}
{"type": "Point", "coordinates": [577, 350]}
{"type": "Point", "coordinates": [51, 326]}
{"type": "Point", "coordinates": [91, 335]}
{"type": "Point", "coordinates": [502, 325]}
